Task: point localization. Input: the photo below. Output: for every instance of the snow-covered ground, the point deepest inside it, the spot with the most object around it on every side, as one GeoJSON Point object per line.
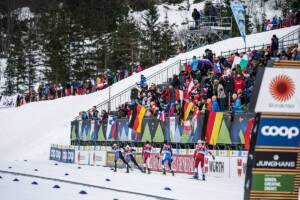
{"type": "Point", "coordinates": [181, 185]}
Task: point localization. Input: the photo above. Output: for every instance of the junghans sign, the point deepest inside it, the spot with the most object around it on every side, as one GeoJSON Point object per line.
{"type": "Point", "coordinates": [275, 160]}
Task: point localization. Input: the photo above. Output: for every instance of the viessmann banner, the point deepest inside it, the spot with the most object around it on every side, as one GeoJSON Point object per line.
{"type": "Point", "coordinates": [283, 132]}
{"type": "Point", "coordinates": [279, 91]}
{"type": "Point", "coordinates": [276, 160]}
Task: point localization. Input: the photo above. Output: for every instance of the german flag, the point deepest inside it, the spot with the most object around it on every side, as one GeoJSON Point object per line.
{"type": "Point", "coordinates": [213, 127]}
{"type": "Point", "coordinates": [187, 107]}
{"type": "Point", "coordinates": [137, 118]}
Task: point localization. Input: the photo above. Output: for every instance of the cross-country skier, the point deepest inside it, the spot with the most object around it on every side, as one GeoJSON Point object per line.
{"type": "Point", "coordinates": [147, 148]}
{"type": "Point", "coordinates": [118, 154]}
{"type": "Point", "coordinates": [199, 155]}
{"type": "Point", "coordinates": [166, 150]}
{"type": "Point", "coordinates": [129, 157]}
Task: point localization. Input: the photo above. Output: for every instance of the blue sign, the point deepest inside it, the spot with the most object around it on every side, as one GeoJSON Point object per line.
{"type": "Point", "coordinates": [239, 12]}
{"type": "Point", "coordinates": [52, 153]}
{"type": "Point", "coordinates": [71, 156]}
{"type": "Point", "coordinates": [284, 132]}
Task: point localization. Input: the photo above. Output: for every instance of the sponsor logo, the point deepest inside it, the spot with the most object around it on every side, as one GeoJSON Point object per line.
{"type": "Point", "coordinates": [64, 156]}
{"type": "Point", "coordinates": [282, 88]}
{"type": "Point", "coordinates": [273, 182]}
{"type": "Point", "coordinates": [216, 166]}
{"type": "Point", "coordinates": [71, 156]}
{"type": "Point", "coordinates": [277, 160]}
{"type": "Point", "coordinates": [281, 131]}
{"type": "Point", "coordinates": [241, 167]}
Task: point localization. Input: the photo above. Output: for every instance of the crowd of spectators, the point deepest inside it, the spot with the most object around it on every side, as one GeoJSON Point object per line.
{"type": "Point", "coordinates": [292, 19]}
{"type": "Point", "coordinates": [217, 84]}
{"type": "Point", "coordinates": [79, 87]}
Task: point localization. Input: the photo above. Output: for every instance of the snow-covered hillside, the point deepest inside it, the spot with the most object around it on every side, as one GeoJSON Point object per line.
{"type": "Point", "coordinates": [29, 130]}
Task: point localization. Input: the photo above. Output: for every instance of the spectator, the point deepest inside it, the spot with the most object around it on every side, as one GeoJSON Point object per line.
{"type": "Point", "coordinates": [95, 113]}
{"type": "Point", "coordinates": [239, 84]}
{"type": "Point", "coordinates": [209, 55]}
{"type": "Point", "coordinates": [84, 115]}
{"type": "Point", "coordinates": [172, 109]}
{"type": "Point", "coordinates": [196, 17]}
{"type": "Point", "coordinates": [175, 81]}
{"type": "Point", "coordinates": [194, 64]}
{"type": "Point", "coordinates": [237, 104]}
{"type": "Point", "coordinates": [220, 94]}
{"type": "Point", "coordinates": [103, 116]}
{"type": "Point", "coordinates": [215, 105]}
{"type": "Point", "coordinates": [298, 54]}
{"type": "Point", "coordinates": [274, 46]}
{"type": "Point", "coordinates": [139, 69]}
{"type": "Point", "coordinates": [209, 104]}
{"type": "Point", "coordinates": [143, 80]}
{"type": "Point", "coordinates": [212, 12]}
{"type": "Point", "coordinates": [165, 94]}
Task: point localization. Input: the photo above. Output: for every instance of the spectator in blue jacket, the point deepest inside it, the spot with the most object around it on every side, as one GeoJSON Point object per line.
{"type": "Point", "coordinates": [194, 64]}
{"type": "Point", "coordinates": [143, 80]}
{"type": "Point", "coordinates": [215, 106]}
{"type": "Point", "coordinates": [237, 104]}
{"type": "Point", "coordinates": [298, 54]}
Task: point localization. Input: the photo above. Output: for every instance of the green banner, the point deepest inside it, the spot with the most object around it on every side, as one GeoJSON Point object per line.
{"type": "Point", "coordinates": [273, 182]}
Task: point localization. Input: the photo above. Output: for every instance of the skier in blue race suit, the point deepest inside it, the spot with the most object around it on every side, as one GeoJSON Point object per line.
{"type": "Point", "coordinates": [166, 150]}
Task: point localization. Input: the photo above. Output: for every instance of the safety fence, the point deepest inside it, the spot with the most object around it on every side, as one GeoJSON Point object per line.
{"type": "Point", "coordinates": [232, 130]}
{"type": "Point", "coordinates": [227, 164]}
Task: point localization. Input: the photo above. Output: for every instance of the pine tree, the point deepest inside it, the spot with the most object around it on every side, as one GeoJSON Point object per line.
{"type": "Point", "coordinates": [151, 36]}
{"type": "Point", "coordinates": [31, 56]}
{"type": "Point", "coordinates": [168, 45]}
{"type": "Point", "coordinates": [15, 70]}
{"type": "Point", "coordinates": [125, 44]}
{"type": "Point", "coordinates": [56, 46]}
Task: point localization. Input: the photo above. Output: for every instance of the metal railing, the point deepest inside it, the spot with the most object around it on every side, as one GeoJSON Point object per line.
{"type": "Point", "coordinates": [284, 42]}
{"type": "Point", "coordinates": [224, 23]}
{"type": "Point", "coordinates": [157, 78]}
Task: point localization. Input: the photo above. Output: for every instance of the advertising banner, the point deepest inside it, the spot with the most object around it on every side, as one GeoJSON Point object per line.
{"type": "Point", "coordinates": [64, 155]}
{"type": "Point", "coordinates": [279, 91]}
{"type": "Point", "coordinates": [279, 132]}
{"type": "Point", "coordinates": [52, 153]}
{"type": "Point", "coordinates": [98, 158]}
{"type": "Point", "coordinates": [273, 182]}
{"type": "Point", "coordinates": [8, 101]}
{"type": "Point", "coordinates": [71, 155]}
{"type": "Point", "coordinates": [275, 160]}
{"type": "Point", "coordinates": [154, 130]}
{"type": "Point", "coordinates": [238, 167]}
{"type": "Point", "coordinates": [82, 155]}
{"type": "Point", "coordinates": [239, 12]}
{"type": "Point", "coordinates": [110, 160]}
{"type": "Point", "coordinates": [218, 167]}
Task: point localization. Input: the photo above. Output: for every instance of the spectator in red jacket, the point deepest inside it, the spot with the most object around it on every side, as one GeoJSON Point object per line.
{"type": "Point", "coordinates": [165, 94]}
{"type": "Point", "coordinates": [239, 84]}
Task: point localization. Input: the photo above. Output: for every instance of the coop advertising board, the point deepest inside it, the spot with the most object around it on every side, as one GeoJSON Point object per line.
{"type": "Point", "coordinates": [279, 91]}
{"type": "Point", "coordinates": [282, 132]}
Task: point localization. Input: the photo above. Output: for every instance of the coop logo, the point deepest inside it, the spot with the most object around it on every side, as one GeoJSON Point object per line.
{"type": "Point", "coordinates": [71, 157]}
{"type": "Point", "coordinates": [282, 88]}
{"type": "Point", "coordinates": [282, 131]}
{"type": "Point", "coordinates": [278, 160]}
{"type": "Point", "coordinates": [279, 132]}
{"type": "Point", "coordinates": [52, 154]}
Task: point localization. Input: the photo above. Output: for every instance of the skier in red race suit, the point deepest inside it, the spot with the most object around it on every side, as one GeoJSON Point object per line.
{"type": "Point", "coordinates": [199, 155]}
{"type": "Point", "coordinates": [147, 148]}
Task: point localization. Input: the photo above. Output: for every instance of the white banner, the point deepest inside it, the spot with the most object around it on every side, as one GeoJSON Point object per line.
{"type": "Point", "coordinates": [82, 155]}
{"type": "Point", "coordinates": [8, 101]}
{"type": "Point", "coordinates": [218, 167]}
{"type": "Point", "coordinates": [98, 158]}
{"type": "Point", "coordinates": [238, 167]}
{"type": "Point", "coordinates": [279, 91]}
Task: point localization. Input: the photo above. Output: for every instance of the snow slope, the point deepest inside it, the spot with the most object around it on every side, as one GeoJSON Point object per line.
{"type": "Point", "coordinates": [28, 131]}
{"type": "Point", "coordinates": [182, 186]}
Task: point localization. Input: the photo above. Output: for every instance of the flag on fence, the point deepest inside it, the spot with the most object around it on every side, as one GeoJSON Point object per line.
{"type": "Point", "coordinates": [179, 94]}
{"type": "Point", "coordinates": [161, 116]}
{"type": "Point", "coordinates": [137, 118]}
{"type": "Point", "coordinates": [243, 62]}
{"type": "Point", "coordinates": [247, 133]}
{"type": "Point", "coordinates": [191, 84]}
{"type": "Point", "coordinates": [111, 131]}
{"type": "Point", "coordinates": [186, 110]}
{"type": "Point", "coordinates": [213, 127]}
